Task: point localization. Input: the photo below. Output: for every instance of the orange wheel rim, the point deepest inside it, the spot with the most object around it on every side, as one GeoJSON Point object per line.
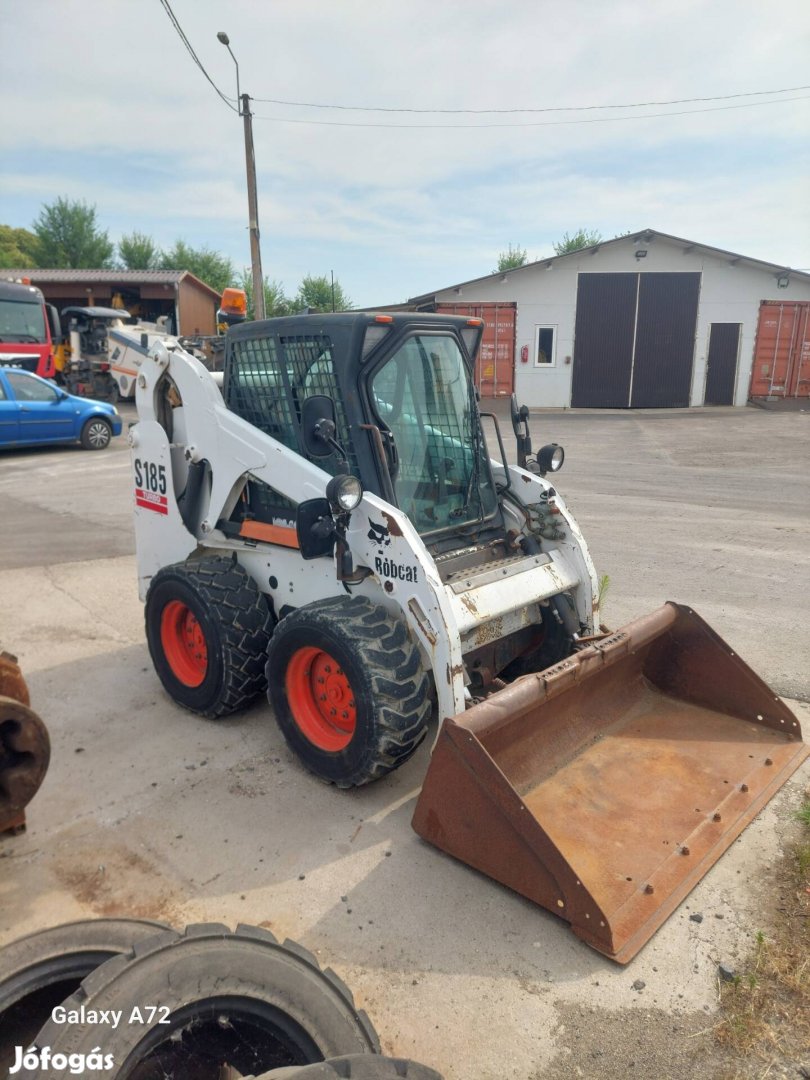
{"type": "Point", "coordinates": [321, 699]}
{"type": "Point", "coordinates": [183, 643]}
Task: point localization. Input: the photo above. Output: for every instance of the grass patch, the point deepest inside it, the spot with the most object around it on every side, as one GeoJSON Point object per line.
{"type": "Point", "coordinates": [765, 1009]}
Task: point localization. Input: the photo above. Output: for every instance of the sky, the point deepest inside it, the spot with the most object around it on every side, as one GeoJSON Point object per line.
{"type": "Point", "coordinates": [102, 102]}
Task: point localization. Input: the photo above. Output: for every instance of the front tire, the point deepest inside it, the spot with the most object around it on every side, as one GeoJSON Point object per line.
{"type": "Point", "coordinates": [208, 627]}
{"type": "Point", "coordinates": [348, 688]}
{"type": "Point", "coordinates": [96, 434]}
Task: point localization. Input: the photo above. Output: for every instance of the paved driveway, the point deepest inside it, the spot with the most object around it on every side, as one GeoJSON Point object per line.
{"type": "Point", "coordinates": [148, 810]}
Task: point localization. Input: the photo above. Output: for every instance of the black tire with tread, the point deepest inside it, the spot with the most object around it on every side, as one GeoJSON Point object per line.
{"type": "Point", "coordinates": [386, 674]}
{"type": "Point", "coordinates": [38, 971]}
{"type": "Point", "coordinates": [85, 435]}
{"type": "Point", "coordinates": [355, 1067]}
{"type": "Point", "coordinates": [237, 624]}
{"type": "Point", "coordinates": [207, 964]}
{"type": "Point", "coordinates": [70, 951]}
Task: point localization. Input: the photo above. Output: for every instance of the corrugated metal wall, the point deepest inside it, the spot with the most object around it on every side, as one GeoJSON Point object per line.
{"type": "Point", "coordinates": [495, 366]}
{"type": "Point", "coordinates": [634, 340]}
{"type": "Point", "coordinates": [782, 352]}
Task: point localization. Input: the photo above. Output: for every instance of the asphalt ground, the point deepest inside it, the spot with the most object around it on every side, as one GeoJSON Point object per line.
{"type": "Point", "coordinates": [150, 811]}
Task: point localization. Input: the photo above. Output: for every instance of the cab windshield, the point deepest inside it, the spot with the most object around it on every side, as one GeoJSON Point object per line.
{"type": "Point", "coordinates": [423, 395]}
{"type": "Point", "coordinates": [22, 322]}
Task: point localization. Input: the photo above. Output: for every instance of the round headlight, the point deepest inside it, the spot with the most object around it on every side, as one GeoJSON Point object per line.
{"type": "Point", "coordinates": [550, 458]}
{"type": "Point", "coordinates": [344, 492]}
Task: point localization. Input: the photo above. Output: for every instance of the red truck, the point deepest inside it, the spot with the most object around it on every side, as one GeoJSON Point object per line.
{"type": "Point", "coordinates": [29, 329]}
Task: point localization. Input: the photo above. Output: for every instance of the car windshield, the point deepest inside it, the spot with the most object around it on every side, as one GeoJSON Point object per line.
{"type": "Point", "coordinates": [424, 396]}
{"type": "Point", "coordinates": [22, 322]}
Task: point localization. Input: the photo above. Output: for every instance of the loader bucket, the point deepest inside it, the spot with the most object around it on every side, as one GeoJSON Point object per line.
{"type": "Point", "coordinates": [605, 787]}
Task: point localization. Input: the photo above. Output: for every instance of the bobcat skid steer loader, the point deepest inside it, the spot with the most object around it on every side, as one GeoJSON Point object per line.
{"type": "Point", "coordinates": [330, 527]}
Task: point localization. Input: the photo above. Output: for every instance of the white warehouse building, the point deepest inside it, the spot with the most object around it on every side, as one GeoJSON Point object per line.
{"type": "Point", "coordinates": [646, 320]}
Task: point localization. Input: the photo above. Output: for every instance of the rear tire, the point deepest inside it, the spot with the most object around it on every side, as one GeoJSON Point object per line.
{"type": "Point", "coordinates": [348, 688]}
{"type": "Point", "coordinates": [96, 434]}
{"type": "Point", "coordinates": [208, 627]}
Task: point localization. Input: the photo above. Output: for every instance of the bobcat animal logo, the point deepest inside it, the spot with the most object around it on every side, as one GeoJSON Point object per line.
{"type": "Point", "coordinates": [379, 535]}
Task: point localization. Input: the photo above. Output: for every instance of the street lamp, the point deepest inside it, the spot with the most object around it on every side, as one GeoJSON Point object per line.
{"type": "Point", "coordinates": [259, 311]}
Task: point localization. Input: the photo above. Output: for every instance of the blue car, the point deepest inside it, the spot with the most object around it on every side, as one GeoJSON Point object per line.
{"type": "Point", "coordinates": [34, 412]}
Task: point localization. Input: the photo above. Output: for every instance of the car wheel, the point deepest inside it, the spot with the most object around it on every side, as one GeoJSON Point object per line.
{"type": "Point", "coordinates": [96, 434]}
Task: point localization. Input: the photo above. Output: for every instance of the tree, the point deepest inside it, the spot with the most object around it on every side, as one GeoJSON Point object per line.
{"type": "Point", "coordinates": [17, 248]}
{"type": "Point", "coordinates": [319, 294]}
{"type": "Point", "coordinates": [137, 251]}
{"type": "Point", "coordinates": [275, 300]}
{"type": "Point", "coordinates": [511, 259]}
{"type": "Point", "coordinates": [209, 266]}
{"type": "Point", "coordinates": [582, 238]}
{"type": "Point", "coordinates": [69, 237]}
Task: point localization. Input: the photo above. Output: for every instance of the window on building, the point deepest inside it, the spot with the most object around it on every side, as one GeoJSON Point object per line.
{"type": "Point", "coordinates": [546, 343]}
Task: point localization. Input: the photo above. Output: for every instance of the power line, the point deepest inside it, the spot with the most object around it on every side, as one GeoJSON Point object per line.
{"type": "Point", "coordinates": [194, 57]}
{"type": "Point", "coordinates": [527, 124]}
{"type": "Point", "coordinates": [546, 109]}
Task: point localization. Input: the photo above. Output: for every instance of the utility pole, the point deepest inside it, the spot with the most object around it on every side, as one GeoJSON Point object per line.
{"type": "Point", "coordinates": [259, 310]}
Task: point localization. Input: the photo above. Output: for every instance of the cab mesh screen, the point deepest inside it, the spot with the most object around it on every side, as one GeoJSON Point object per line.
{"type": "Point", "coordinates": [268, 379]}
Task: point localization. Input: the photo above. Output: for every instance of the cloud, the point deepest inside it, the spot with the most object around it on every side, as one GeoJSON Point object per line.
{"type": "Point", "coordinates": [119, 115]}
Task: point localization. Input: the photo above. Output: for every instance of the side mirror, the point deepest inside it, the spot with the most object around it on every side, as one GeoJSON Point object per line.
{"type": "Point", "coordinates": [318, 423]}
{"type": "Point", "coordinates": [54, 324]}
{"type": "Point", "coordinates": [520, 426]}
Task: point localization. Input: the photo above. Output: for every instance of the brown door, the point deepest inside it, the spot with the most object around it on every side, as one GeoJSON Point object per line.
{"type": "Point", "coordinates": [665, 340]}
{"type": "Point", "coordinates": [724, 346]}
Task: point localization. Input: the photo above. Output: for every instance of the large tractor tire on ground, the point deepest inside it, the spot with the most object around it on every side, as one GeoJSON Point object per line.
{"type": "Point", "coordinates": [208, 627]}
{"type": "Point", "coordinates": [356, 1067]}
{"type": "Point", "coordinates": [39, 971]}
{"type": "Point", "coordinates": [349, 690]}
{"type": "Point", "coordinates": [208, 998]}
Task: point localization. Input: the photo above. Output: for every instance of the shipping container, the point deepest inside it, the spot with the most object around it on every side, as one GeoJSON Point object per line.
{"type": "Point", "coordinates": [495, 367]}
{"type": "Point", "coordinates": [782, 352]}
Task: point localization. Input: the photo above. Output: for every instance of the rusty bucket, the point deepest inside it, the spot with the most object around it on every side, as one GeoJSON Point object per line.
{"type": "Point", "coordinates": [605, 787]}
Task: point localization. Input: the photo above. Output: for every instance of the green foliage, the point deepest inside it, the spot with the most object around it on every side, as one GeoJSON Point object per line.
{"type": "Point", "coordinates": [17, 248]}
{"type": "Point", "coordinates": [316, 294]}
{"type": "Point", "coordinates": [209, 266]}
{"type": "Point", "coordinates": [275, 301]}
{"type": "Point", "coordinates": [511, 259]}
{"type": "Point", "coordinates": [68, 236]}
{"type": "Point", "coordinates": [582, 238]}
{"type": "Point", "coordinates": [604, 585]}
{"type": "Point", "coordinates": [137, 251]}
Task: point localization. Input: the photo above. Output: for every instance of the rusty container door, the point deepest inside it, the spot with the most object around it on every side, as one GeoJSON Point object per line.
{"type": "Point", "coordinates": [605, 787]}
{"type": "Point", "coordinates": [782, 353]}
{"type": "Point", "coordinates": [721, 368]}
{"type": "Point", "coordinates": [495, 366]}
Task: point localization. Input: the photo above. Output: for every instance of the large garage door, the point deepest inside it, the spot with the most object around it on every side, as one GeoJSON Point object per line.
{"type": "Point", "coordinates": [635, 340]}
{"type": "Point", "coordinates": [603, 340]}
